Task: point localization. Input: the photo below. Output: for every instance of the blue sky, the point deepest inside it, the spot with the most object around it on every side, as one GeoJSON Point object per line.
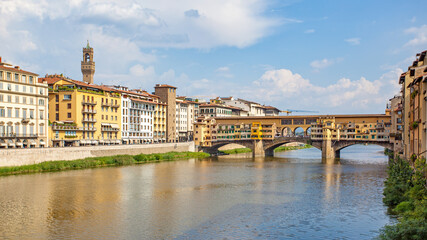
{"type": "Point", "coordinates": [327, 56]}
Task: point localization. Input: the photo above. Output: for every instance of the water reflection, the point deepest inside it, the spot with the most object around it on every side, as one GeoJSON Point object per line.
{"type": "Point", "coordinates": [294, 196]}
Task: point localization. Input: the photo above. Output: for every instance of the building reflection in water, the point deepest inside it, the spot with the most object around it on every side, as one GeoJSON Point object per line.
{"type": "Point", "coordinates": [332, 181]}
{"type": "Point", "coordinates": [85, 204]}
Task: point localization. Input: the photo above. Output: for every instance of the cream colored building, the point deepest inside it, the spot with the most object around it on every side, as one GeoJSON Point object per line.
{"type": "Point", "coordinates": [414, 87]}
{"type": "Point", "coordinates": [23, 108]}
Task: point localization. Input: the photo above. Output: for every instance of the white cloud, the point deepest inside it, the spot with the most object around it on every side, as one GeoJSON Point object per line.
{"type": "Point", "coordinates": [155, 23]}
{"type": "Point", "coordinates": [413, 19]}
{"type": "Point", "coordinates": [420, 36]}
{"type": "Point", "coordinates": [291, 90]}
{"type": "Point", "coordinates": [353, 41]}
{"type": "Point", "coordinates": [324, 63]}
{"type": "Point", "coordinates": [224, 72]}
{"type": "Point", "coordinates": [309, 31]}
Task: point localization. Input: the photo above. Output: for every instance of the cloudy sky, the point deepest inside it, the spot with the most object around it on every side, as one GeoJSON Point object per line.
{"type": "Point", "coordinates": [328, 56]}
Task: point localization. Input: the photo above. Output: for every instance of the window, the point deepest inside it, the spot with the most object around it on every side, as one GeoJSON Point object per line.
{"type": "Point", "coordinates": [9, 112]}
{"type": "Point", "coordinates": [17, 99]}
{"type": "Point", "coordinates": [24, 78]}
{"type": "Point", "coordinates": [57, 117]}
{"type": "Point", "coordinates": [1, 97]}
{"type": "Point", "coordinates": [24, 113]}
{"type": "Point", "coordinates": [57, 107]}
{"type": "Point", "coordinates": [24, 88]}
{"type": "Point", "coordinates": [56, 98]}
{"type": "Point", "coordinates": [9, 86]}
{"type": "Point", "coordinates": [31, 129]}
{"type": "Point", "coordinates": [31, 113]}
{"type": "Point", "coordinates": [16, 77]}
{"type": "Point", "coordinates": [8, 76]}
{"type": "Point", "coordinates": [17, 112]}
{"type": "Point", "coordinates": [2, 113]}
{"type": "Point", "coordinates": [41, 102]}
{"type": "Point", "coordinates": [69, 106]}
{"type": "Point", "coordinates": [41, 114]}
{"type": "Point", "coordinates": [41, 131]}
{"type": "Point", "coordinates": [67, 97]}
{"type": "Point", "coordinates": [41, 91]}
{"type": "Point", "coordinates": [69, 115]}
{"type": "Point", "coordinates": [1, 74]}
{"type": "Point", "coordinates": [24, 100]}
{"type": "Point", "coordinates": [30, 79]}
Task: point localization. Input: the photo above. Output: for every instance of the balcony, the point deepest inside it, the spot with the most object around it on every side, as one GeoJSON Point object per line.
{"type": "Point", "coordinates": [105, 104]}
{"type": "Point", "coordinates": [109, 129]}
{"type": "Point", "coordinates": [90, 103]}
{"type": "Point", "coordinates": [14, 135]}
{"type": "Point", "coordinates": [89, 129]}
{"type": "Point", "coordinates": [115, 105]}
{"type": "Point", "coordinates": [88, 111]}
{"type": "Point", "coordinates": [90, 120]}
{"type": "Point", "coordinates": [66, 128]}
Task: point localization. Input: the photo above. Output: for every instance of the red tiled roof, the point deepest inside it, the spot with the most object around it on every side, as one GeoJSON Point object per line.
{"type": "Point", "coordinates": [16, 70]}
{"type": "Point", "coordinates": [144, 101]}
{"type": "Point", "coordinates": [164, 86]}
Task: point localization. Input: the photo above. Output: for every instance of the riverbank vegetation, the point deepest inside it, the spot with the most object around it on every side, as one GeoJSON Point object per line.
{"type": "Point", "coordinates": [288, 148]}
{"type": "Point", "coordinates": [405, 194]}
{"type": "Point", "coordinates": [92, 162]}
{"type": "Point", "coordinates": [236, 150]}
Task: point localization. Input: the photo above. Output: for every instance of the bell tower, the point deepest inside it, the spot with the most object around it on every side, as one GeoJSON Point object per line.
{"type": "Point", "coordinates": [88, 65]}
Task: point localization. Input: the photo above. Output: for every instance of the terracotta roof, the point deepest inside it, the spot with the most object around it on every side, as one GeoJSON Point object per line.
{"type": "Point", "coordinates": [164, 86]}
{"type": "Point", "coordinates": [16, 70]}
{"type": "Point", "coordinates": [218, 105]}
{"type": "Point", "coordinates": [144, 101]}
{"type": "Point", "coordinates": [270, 107]}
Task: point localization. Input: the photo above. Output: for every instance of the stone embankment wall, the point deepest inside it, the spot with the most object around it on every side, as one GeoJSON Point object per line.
{"type": "Point", "coordinates": [18, 157]}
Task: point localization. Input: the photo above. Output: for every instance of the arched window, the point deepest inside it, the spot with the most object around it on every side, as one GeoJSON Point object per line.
{"type": "Point", "coordinates": [87, 57]}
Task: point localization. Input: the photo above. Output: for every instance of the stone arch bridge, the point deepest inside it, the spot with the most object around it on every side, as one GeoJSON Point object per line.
{"type": "Point", "coordinates": [330, 149]}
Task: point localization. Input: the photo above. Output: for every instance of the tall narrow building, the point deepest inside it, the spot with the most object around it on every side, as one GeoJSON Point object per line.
{"type": "Point", "coordinates": [88, 65]}
{"type": "Point", "coordinates": [167, 95]}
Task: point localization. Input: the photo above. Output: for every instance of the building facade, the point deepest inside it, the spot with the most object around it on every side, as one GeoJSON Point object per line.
{"type": "Point", "coordinates": [167, 95]}
{"type": "Point", "coordinates": [23, 108]}
{"type": "Point", "coordinates": [82, 113]}
{"type": "Point", "coordinates": [414, 86]}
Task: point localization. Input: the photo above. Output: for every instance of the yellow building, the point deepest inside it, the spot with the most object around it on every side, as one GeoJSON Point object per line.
{"type": "Point", "coordinates": [205, 131]}
{"type": "Point", "coordinates": [82, 114]}
{"type": "Point", "coordinates": [159, 121]}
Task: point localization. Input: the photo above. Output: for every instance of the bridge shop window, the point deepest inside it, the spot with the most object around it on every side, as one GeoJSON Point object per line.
{"type": "Point", "coordinates": [286, 121]}
{"type": "Point", "coordinates": [298, 121]}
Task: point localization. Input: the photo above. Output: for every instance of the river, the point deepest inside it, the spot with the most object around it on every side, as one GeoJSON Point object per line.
{"type": "Point", "coordinates": [290, 196]}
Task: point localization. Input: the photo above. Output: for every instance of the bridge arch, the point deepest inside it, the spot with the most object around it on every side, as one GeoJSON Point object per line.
{"type": "Point", "coordinates": [287, 132]}
{"type": "Point", "coordinates": [344, 144]}
{"type": "Point", "coordinates": [299, 131]}
{"type": "Point", "coordinates": [269, 148]}
{"type": "Point", "coordinates": [214, 148]}
{"type": "Point", "coordinates": [308, 131]}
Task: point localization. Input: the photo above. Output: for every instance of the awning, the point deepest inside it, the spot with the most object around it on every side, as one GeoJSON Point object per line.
{"type": "Point", "coordinates": [107, 141]}
{"type": "Point", "coordinates": [101, 141]}
{"type": "Point", "coordinates": [11, 144]}
{"type": "Point", "coordinates": [18, 144]}
{"type": "Point", "coordinates": [32, 143]}
{"type": "Point", "coordinates": [83, 141]}
{"type": "Point", "coordinates": [118, 141]}
{"type": "Point", "coordinates": [3, 144]}
{"type": "Point", "coordinates": [113, 125]}
{"type": "Point", "coordinates": [94, 142]}
{"type": "Point", "coordinates": [105, 124]}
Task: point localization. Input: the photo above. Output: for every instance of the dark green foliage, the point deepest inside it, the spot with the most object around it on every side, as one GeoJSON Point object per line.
{"type": "Point", "coordinates": [118, 160]}
{"type": "Point", "coordinates": [405, 193]}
